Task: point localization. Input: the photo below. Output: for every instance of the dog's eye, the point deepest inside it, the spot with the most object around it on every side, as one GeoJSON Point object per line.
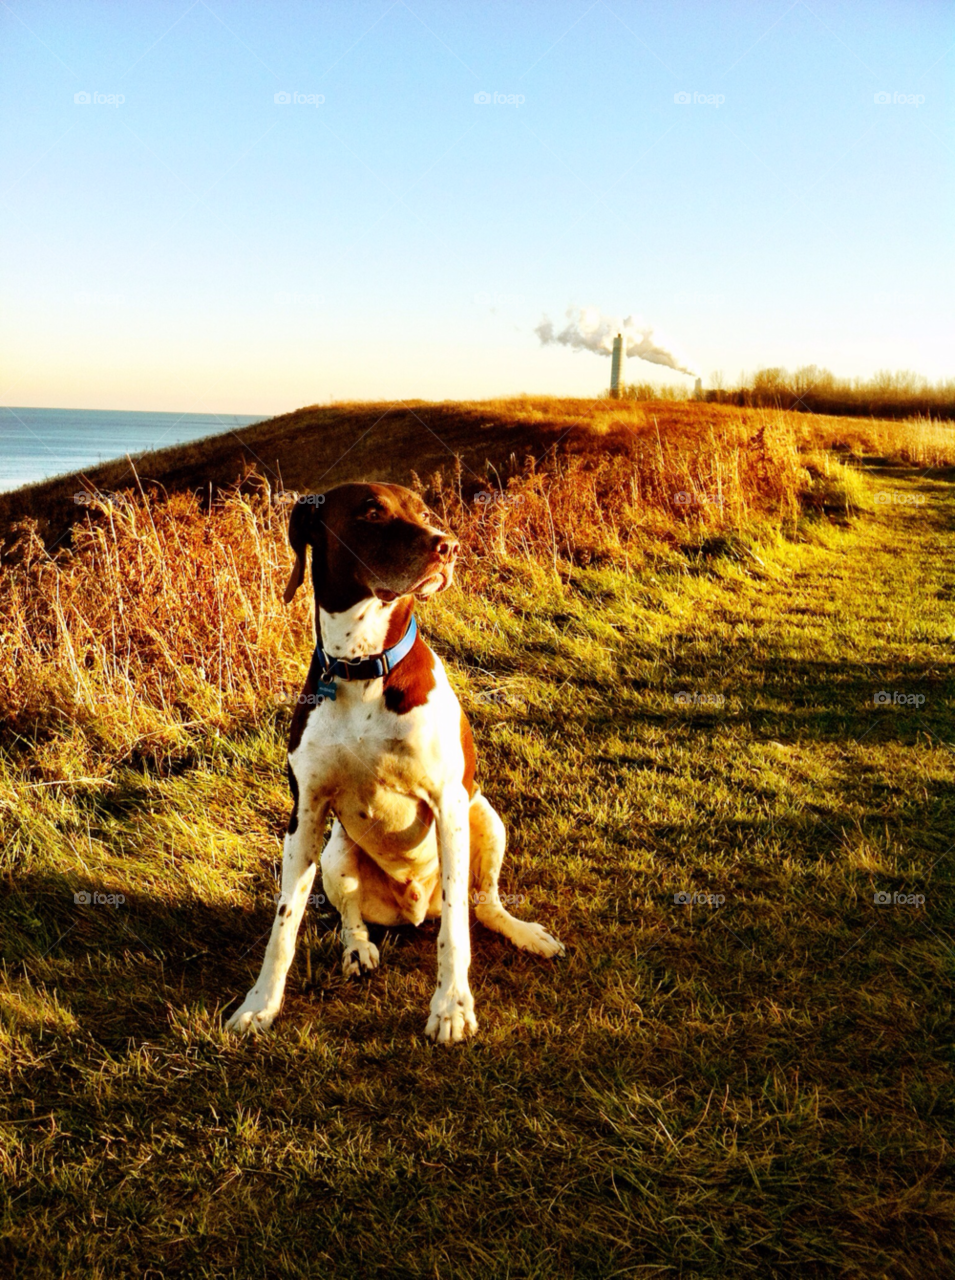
{"type": "Point", "coordinates": [373, 513]}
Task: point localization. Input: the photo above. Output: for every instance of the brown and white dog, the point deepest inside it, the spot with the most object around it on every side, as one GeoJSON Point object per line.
{"type": "Point", "coordinates": [391, 756]}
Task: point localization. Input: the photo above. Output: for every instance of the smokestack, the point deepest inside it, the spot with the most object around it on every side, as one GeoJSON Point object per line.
{"type": "Point", "coordinates": [588, 330]}
{"type": "Point", "coordinates": [616, 366]}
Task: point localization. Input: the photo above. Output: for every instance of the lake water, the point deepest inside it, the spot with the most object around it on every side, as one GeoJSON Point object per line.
{"type": "Point", "coordinates": [36, 444]}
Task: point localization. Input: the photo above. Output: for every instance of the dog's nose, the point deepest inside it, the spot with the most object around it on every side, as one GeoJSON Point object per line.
{"type": "Point", "coordinates": [447, 548]}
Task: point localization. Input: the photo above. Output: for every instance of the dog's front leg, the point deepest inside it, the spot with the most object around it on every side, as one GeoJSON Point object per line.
{"type": "Point", "coordinates": [452, 1006]}
{"type": "Point", "coordinates": [257, 1012]}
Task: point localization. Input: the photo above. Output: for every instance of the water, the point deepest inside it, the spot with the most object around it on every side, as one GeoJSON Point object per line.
{"type": "Point", "coordinates": [36, 444]}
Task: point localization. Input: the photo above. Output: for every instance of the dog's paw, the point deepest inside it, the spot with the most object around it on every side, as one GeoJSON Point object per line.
{"type": "Point", "coordinates": [359, 958]}
{"type": "Point", "coordinates": [535, 938]}
{"type": "Point", "coordinates": [452, 1016]}
{"type": "Point", "coordinates": [254, 1014]}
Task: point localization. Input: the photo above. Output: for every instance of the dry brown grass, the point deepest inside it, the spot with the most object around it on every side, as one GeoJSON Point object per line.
{"type": "Point", "coordinates": [759, 1092]}
{"type": "Point", "coordinates": [165, 614]}
{"type": "Point", "coordinates": [919, 442]}
{"type": "Point", "coordinates": [160, 615]}
{"type": "Point", "coordinates": [641, 486]}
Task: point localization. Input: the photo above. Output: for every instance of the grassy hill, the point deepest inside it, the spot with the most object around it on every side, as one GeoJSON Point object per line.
{"type": "Point", "coordinates": [709, 667]}
{"type": "Point", "coordinates": [319, 446]}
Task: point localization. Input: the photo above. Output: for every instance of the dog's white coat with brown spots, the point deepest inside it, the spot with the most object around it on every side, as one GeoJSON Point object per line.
{"type": "Point", "coordinates": [391, 757]}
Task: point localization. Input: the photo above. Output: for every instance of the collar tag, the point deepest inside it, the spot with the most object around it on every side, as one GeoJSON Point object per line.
{"type": "Point", "coordinates": [326, 688]}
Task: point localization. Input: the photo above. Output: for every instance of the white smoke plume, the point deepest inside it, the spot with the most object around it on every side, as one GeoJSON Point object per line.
{"type": "Point", "coordinates": [588, 330]}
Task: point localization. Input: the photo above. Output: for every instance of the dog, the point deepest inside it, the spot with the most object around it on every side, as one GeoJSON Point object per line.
{"type": "Point", "coordinates": [378, 739]}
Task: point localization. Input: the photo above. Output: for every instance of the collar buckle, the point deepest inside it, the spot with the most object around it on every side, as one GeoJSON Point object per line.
{"type": "Point", "coordinates": [371, 668]}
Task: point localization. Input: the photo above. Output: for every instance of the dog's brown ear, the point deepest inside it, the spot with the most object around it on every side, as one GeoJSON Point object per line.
{"type": "Point", "coordinates": [305, 528]}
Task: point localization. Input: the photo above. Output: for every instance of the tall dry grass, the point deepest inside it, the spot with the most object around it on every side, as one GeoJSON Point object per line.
{"type": "Point", "coordinates": [917, 441]}
{"type": "Point", "coordinates": [641, 486]}
{"type": "Point", "coordinates": [164, 619]}
{"type": "Point", "coordinates": [161, 617]}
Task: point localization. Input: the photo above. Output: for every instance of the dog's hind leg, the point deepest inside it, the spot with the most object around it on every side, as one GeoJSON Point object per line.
{"type": "Point", "coordinates": [342, 880]}
{"type": "Point", "coordinates": [488, 841]}
{"type": "Point", "coordinates": [257, 1012]}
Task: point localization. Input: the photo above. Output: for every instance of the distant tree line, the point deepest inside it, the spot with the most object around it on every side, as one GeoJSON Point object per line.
{"type": "Point", "coordinates": [812, 390]}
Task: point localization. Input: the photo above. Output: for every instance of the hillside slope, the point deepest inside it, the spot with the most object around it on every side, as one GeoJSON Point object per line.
{"type": "Point", "coordinates": [320, 446]}
{"type": "Point", "coordinates": [729, 788]}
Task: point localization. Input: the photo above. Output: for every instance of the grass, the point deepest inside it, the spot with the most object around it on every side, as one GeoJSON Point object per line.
{"type": "Point", "coordinates": [321, 445]}
{"type": "Point", "coordinates": [758, 1087]}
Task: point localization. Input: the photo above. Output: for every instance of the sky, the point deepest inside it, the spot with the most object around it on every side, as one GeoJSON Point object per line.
{"type": "Point", "coordinates": [246, 207]}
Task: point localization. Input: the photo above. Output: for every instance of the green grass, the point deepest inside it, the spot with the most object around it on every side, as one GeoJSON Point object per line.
{"type": "Point", "coordinates": [758, 1088]}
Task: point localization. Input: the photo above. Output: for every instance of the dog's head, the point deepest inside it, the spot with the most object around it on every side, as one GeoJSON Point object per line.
{"type": "Point", "coordinates": [368, 540]}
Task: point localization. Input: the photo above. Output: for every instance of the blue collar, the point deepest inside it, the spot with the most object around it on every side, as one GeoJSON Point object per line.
{"type": "Point", "coordinates": [364, 668]}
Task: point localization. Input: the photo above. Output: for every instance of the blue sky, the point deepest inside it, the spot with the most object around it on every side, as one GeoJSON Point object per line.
{"type": "Point", "coordinates": [200, 246]}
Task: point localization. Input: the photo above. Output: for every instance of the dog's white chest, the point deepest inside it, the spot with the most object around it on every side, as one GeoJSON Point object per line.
{"type": "Point", "coordinates": [368, 768]}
